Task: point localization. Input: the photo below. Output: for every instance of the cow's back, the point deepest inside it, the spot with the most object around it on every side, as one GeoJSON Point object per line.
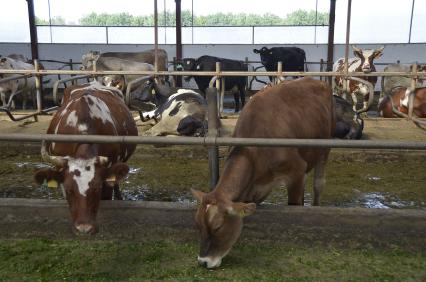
{"type": "Point", "coordinates": [142, 57]}
{"type": "Point", "coordinates": [295, 109]}
{"type": "Point", "coordinates": [94, 112]}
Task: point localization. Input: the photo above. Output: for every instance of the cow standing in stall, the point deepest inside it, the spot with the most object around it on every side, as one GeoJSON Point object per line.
{"type": "Point", "coordinates": [300, 108]}
{"type": "Point", "coordinates": [88, 172]}
{"type": "Point", "coordinates": [26, 86]}
{"type": "Point", "coordinates": [363, 62]}
{"type": "Point", "coordinates": [236, 84]}
{"type": "Point", "coordinates": [292, 58]}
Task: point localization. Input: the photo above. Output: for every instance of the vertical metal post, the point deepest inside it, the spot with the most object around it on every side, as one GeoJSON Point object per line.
{"type": "Point", "coordinates": [106, 34]}
{"type": "Point", "coordinates": [213, 126]}
{"type": "Point", "coordinates": [155, 36]}
{"type": "Point", "coordinates": [330, 48]}
{"type": "Point", "coordinates": [178, 39]}
{"type": "Point", "coordinates": [218, 85]}
{"type": "Point", "coordinates": [38, 87]}
{"type": "Point", "coordinates": [33, 30]}
{"type": "Point", "coordinates": [279, 72]}
{"type": "Point", "coordinates": [411, 21]}
{"type": "Point", "coordinates": [412, 91]}
{"type": "Point", "coordinates": [348, 28]}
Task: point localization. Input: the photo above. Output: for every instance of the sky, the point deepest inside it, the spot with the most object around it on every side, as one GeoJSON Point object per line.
{"type": "Point", "coordinates": [372, 16]}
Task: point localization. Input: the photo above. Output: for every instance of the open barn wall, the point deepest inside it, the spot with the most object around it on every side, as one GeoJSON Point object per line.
{"type": "Point", "coordinates": [406, 53]}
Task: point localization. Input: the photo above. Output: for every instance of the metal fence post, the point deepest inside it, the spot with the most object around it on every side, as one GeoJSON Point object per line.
{"type": "Point", "coordinates": [213, 125]}
{"type": "Point", "coordinates": [38, 87]}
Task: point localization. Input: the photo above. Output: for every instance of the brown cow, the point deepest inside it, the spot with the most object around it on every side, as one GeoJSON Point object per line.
{"type": "Point", "coordinates": [399, 98]}
{"type": "Point", "coordinates": [88, 172]}
{"type": "Point", "coordinates": [301, 108]}
{"type": "Point", "coordinates": [364, 61]}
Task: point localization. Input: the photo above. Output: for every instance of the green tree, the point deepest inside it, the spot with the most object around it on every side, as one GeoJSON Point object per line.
{"type": "Point", "coordinates": [58, 20]}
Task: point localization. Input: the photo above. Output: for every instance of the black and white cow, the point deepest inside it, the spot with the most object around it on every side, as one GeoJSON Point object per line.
{"type": "Point", "coordinates": [292, 58]}
{"type": "Point", "coordinates": [208, 63]}
{"type": "Point", "coordinates": [180, 112]}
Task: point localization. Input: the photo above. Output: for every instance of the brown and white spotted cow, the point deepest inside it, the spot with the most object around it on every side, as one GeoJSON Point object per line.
{"type": "Point", "coordinates": [364, 61]}
{"type": "Point", "coordinates": [250, 171]}
{"type": "Point", "coordinates": [88, 172]}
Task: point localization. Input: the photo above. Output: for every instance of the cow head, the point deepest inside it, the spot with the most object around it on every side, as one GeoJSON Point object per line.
{"type": "Point", "coordinates": [88, 60]}
{"type": "Point", "coordinates": [219, 223]}
{"type": "Point", "coordinates": [189, 64]}
{"type": "Point", "coordinates": [266, 55]}
{"type": "Point", "coordinates": [113, 80]}
{"type": "Point", "coordinates": [82, 181]}
{"type": "Point", "coordinates": [367, 57]}
{"type": "Point", "coordinates": [6, 63]}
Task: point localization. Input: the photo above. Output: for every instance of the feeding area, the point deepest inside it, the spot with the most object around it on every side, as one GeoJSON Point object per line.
{"type": "Point", "coordinates": [162, 146]}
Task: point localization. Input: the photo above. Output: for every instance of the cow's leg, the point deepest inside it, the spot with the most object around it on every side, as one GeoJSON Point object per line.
{"type": "Point", "coordinates": [242, 96]}
{"type": "Point", "coordinates": [24, 99]}
{"type": "Point", "coordinates": [354, 100]}
{"type": "Point", "coordinates": [237, 101]}
{"type": "Point", "coordinates": [3, 99]}
{"type": "Point", "coordinates": [117, 193]}
{"type": "Point", "coordinates": [297, 179]}
{"type": "Point", "coordinates": [319, 178]}
{"type": "Point", "coordinates": [106, 192]}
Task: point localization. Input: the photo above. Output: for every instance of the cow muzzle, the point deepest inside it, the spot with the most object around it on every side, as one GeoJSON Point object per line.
{"type": "Point", "coordinates": [209, 262]}
{"type": "Point", "coordinates": [85, 228]}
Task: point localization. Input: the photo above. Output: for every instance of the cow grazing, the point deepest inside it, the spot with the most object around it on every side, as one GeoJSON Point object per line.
{"type": "Point", "coordinates": [297, 109]}
{"type": "Point", "coordinates": [292, 58]}
{"type": "Point", "coordinates": [181, 112]}
{"type": "Point", "coordinates": [27, 86]}
{"type": "Point", "coordinates": [208, 63]}
{"type": "Point", "coordinates": [349, 124]}
{"type": "Point", "coordinates": [88, 172]}
{"type": "Point", "coordinates": [363, 62]}
{"type": "Point", "coordinates": [399, 99]}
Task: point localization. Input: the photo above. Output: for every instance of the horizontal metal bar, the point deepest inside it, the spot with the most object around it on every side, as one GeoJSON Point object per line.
{"type": "Point", "coordinates": [211, 73]}
{"type": "Point", "coordinates": [14, 77]}
{"type": "Point", "coordinates": [218, 141]}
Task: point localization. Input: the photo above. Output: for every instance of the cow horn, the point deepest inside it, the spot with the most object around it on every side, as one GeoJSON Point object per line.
{"type": "Point", "coordinates": [102, 160]}
{"type": "Point", "coordinates": [55, 160]}
{"type": "Point", "coordinates": [356, 49]}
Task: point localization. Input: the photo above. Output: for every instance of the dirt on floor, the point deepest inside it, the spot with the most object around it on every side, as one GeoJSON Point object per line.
{"type": "Point", "coordinates": [374, 128]}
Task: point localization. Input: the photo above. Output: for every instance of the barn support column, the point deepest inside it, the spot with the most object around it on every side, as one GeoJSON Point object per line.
{"type": "Point", "coordinates": [330, 49]}
{"type": "Point", "coordinates": [33, 30]}
{"type": "Point", "coordinates": [213, 130]}
{"type": "Point", "coordinates": [178, 39]}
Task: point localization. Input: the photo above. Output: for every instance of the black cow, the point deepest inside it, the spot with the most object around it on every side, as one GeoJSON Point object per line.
{"type": "Point", "coordinates": [293, 58]}
{"type": "Point", "coordinates": [208, 63]}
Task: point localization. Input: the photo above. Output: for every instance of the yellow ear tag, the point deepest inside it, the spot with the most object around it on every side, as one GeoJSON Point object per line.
{"type": "Point", "coordinates": [52, 184]}
{"type": "Point", "coordinates": [111, 179]}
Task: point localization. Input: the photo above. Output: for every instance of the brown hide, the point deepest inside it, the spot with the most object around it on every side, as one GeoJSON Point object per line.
{"type": "Point", "coordinates": [89, 172]}
{"type": "Point", "coordinates": [301, 108]}
{"type": "Point", "coordinates": [419, 108]}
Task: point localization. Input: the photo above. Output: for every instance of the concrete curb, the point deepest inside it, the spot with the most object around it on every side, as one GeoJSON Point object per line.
{"type": "Point", "coordinates": [128, 220]}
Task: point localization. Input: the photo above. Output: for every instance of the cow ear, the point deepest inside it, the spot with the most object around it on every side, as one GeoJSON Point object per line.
{"type": "Point", "coordinates": [117, 172]}
{"type": "Point", "coordinates": [48, 174]}
{"type": "Point", "coordinates": [357, 51]}
{"type": "Point", "coordinates": [241, 209]}
{"type": "Point", "coordinates": [255, 51]}
{"type": "Point", "coordinates": [198, 195]}
{"type": "Point", "coordinates": [378, 52]}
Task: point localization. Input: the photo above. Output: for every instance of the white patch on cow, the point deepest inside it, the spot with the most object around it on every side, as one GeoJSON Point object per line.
{"type": "Point", "coordinates": [404, 100]}
{"type": "Point", "coordinates": [182, 91]}
{"type": "Point", "coordinates": [198, 67]}
{"type": "Point", "coordinates": [211, 262]}
{"type": "Point", "coordinates": [72, 119]}
{"type": "Point", "coordinates": [86, 175]}
{"type": "Point", "coordinates": [82, 128]}
{"type": "Point", "coordinates": [149, 115]}
{"type": "Point", "coordinates": [99, 109]}
{"type": "Point", "coordinates": [96, 85]}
